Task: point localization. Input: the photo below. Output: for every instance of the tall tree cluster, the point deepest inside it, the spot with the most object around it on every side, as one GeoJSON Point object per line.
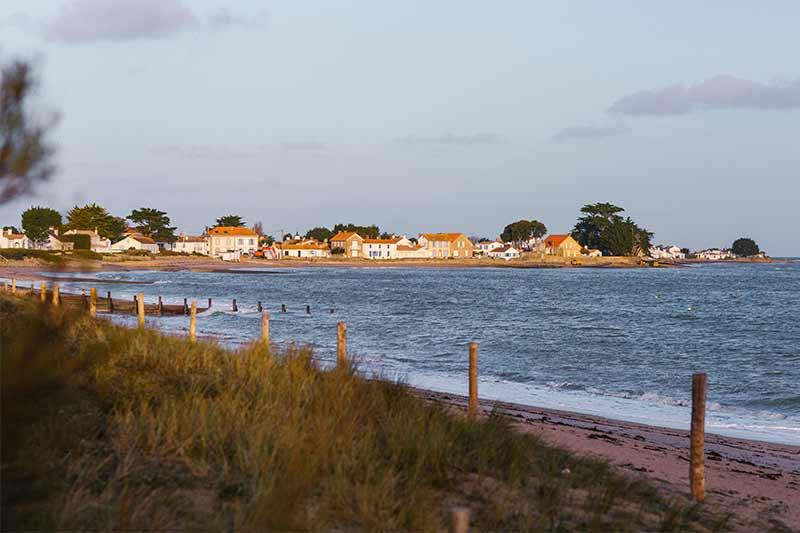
{"type": "Point", "coordinates": [522, 231]}
{"type": "Point", "coordinates": [152, 223]}
{"type": "Point", "coordinates": [37, 221]}
{"type": "Point", "coordinates": [602, 227]}
{"type": "Point", "coordinates": [93, 216]}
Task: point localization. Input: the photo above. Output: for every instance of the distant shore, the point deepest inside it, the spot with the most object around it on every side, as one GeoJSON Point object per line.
{"type": "Point", "coordinates": [205, 264]}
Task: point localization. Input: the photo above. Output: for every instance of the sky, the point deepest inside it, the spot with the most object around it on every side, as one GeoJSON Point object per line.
{"type": "Point", "coordinates": [423, 116]}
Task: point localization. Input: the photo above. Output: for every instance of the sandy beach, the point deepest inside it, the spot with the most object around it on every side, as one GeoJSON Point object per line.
{"type": "Point", "coordinates": [750, 478]}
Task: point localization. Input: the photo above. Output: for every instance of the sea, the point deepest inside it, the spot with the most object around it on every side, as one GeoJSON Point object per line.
{"type": "Point", "coordinates": [619, 343]}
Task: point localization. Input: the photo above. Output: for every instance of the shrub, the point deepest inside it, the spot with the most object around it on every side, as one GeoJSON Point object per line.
{"type": "Point", "coordinates": [87, 254]}
{"type": "Point", "coordinates": [21, 253]}
{"type": "Point", "coordinates": [337, 251]}
{"type": "Point", "coordinates": [80, 241]}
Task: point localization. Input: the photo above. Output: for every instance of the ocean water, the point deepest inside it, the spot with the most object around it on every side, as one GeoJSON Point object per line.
{"type": "Point", "coordinates": [617, 343]}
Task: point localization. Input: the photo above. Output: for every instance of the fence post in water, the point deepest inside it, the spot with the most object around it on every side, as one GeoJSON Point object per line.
{"type": "Point", "coordinates": [185, 307]}
{"type": "Point", "coordinates": [193, 323]}
{"type": "Point", "coordinates": [135, 304]}
{"type": "Point", "coordinates": [85, 300]}
{"type": "Point", "coordinates": [283, 308]}
{"type": "Point", "coordinates": [92, 302]}
{"type": "Point", "coordinates": [56, 295]}
{"type": "Point", "coordinates": [696, 452]}
{"type": "Point", "coordinates": [110, 303]}
{"type": "Point", "coordinates": [13, 285]}
{"type": "Point", "coordinates": [473, 379]}
{"type": "Point", "coordinates": [140, 309]}
{"type": "Point", "coordinates": [43, 291]}
{"type": "Point", "coordinates": [308, 309]}
{"type": "Point", "coordinates": [459, 520]}
{"type": "Point", "coordinates": [160, 306]}
{"type": "Point", "coordinates": [265, 328]}
{"type": "Point", "coordinates": [260, 307]}
{"type": "Point", "coordinates": [341, 345]}
{"type": "Point", "coordinates": [209, 303]}
{"type": "Point", "coordinates": [32, 290]}
{"type": "Point", "coordinates": [235, 308]}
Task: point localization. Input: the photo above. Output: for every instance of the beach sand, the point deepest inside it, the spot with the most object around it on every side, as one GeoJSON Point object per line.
{"type": "Point", "coordinates": [749, 478]}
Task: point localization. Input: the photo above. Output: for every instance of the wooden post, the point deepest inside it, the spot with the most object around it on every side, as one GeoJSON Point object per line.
{"type": "Point", "coordinates": [193, 323]}
{"type": "Point", "coordinates": [209, 303]}
{"type": "Point", "coordinates": [185, 307]}
{"type": "Point", "coordinates": [110, 303]}
{"type": "Point", "coordinates": [32, 290]}
{"type": "Point", "coordinates": [308, 309]}
{"type": "Point", "coordinates": [697, 449]}
{"type": "Point", "coordinates": [135, 304]}
{"type": "Point", "coordinates": [140, 309]}
{"type": "Point", "coordinates": [56, 295]}
{"type": "Point", "coordinates": [341, 345]}
{"type": "Point", "coordinates": [235, 308]}
{"type": "Point", "coordinates": [43, 291]}
{"type": "Point", "coordinates": [160, 306]}
{"type": "Point", "coordinates": [473, 379]}
{"type": "Point", "coordinates": [92, 302]}
{"type": "Point", "coordinates": [85, 299]}
{"type": "Point", "coordinates": [283, 308]}
{"type": "Point", "coordinates": [13, 285]}
{"type": "Point", "coordinates": [265, 327]}
{"type": "Point", "coordinates": [459, 520]}
{"type": "Point", "coordinates": [260, 307]}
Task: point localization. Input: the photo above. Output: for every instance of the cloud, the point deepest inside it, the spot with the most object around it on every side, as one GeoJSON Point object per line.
{"type": "Point", "coordinates": [719, 92]}
{"type": "Point", "coordinates": [302, 146]}
{"type": "Point", "coordinates": [590, 132]}
{"type": "Point", "coordinates": [223, 18]}
{"type": "Point", "coordinates": [118, 20]}
{"type": "Point", "coordinates": [450, 139]}
{"type": "Point", "coordinates": [216, 153]}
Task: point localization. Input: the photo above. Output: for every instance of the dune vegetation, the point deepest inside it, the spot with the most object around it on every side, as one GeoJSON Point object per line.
{"type": "Point", "coordinates": [106, 428]}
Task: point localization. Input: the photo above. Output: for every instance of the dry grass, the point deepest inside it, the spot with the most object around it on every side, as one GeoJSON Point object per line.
{"type": "Point", "coordinates": [107, 428]}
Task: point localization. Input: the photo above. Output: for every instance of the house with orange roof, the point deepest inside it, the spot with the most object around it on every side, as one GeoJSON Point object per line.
{"type": "Point", "coordinates": [446, 245]}
{"type": "Point", "coordinates": [135, 241]}
{"type": "Point", "coordinates": [349, 241]}
{"type": "Point", "coordinates": [380, 248]}
{"type": "Point", "coordinates": [230, 242]}
{"type": "Point", "coordinates": [562, 245]}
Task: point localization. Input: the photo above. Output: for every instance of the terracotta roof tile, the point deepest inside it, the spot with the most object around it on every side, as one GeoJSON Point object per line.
{"type": "Point", "coordinates": [232, 230]}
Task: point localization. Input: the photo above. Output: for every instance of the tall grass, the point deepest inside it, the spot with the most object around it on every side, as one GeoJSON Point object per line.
{"type": "Point", "coordinates": [109, 428]}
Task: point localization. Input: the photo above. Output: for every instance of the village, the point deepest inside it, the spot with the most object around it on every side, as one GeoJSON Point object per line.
{"type": "Point", "coordinates": [234, 243]}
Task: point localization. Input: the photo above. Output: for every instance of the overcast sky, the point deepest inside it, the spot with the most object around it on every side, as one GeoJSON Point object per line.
{"type": "Point", "coordinates": [424, 116]}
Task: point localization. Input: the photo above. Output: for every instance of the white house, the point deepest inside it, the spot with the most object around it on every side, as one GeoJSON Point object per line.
{"type": "Point", "coordinates": [303, 248]}
{"type": "Point", "coordinates": [9, 239]}
{"type": "Point", "coordinates": [666, 252]}
{"type": "Point", "coordinates": [135, 242]}
{"type": "Point", "coordinates": [714, 254]}
{"type": "Point", "coordinates": [485, 246]}
{"type": "Point", "coordinates": [190, 245]}
{"type": "Point", "coordinates": [97, 243]}
{"type": "Point", "coordinates": [380, 248]}
{"type": "Point", "coordinates": [226, 239]}
{"type": "Point", "coordinates": [507, 252]}
{"type": "Point", "coordinates": [55, 243]}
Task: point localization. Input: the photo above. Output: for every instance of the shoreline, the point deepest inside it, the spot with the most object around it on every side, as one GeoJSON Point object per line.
{"type": "Point", "coordinates": [748, 476]}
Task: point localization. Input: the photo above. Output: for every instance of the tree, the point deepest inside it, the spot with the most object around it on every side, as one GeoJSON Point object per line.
{"type": "Point", "coordinates": [93, 216]}
{"type": "Point", "coordinates": [153, 223]}
{"type": "Point", "coordinates": [371, 232]}
{"type": "Point", "coordinates": [745, 247]}
{"type": "Point", "coordinates": [522, 231]}
{"type": "Point", "coordinates": [230, 220]}
{"type": "Point", "coordinates": [25, 155]}
{"type": "Point", "coordinates": [602, 227]}
{"type": "Point", "coordinates": [319, 233]}
{"type": "Point", "coordinates": [258, 227]}
{"type": "Point", "coordinates": [37, 221]}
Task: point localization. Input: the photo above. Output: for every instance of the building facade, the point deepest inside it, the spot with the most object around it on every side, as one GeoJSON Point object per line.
{"type": "Point", "coordinates": [228, 241]}
{"type": "Point", "coordinates": [446, 245]}
{"type": "Point", "coordinates": [187, 244]}
{"type": "Point", "coordinates": [562, 245]}
{"type": "Point", "coordinates": [350, 242]}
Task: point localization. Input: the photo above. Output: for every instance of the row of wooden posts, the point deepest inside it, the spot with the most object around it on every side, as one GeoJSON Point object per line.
{"type": "Point", "coordinates": [699, 382]}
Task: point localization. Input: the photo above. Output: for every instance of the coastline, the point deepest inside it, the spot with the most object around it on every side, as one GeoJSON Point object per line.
{"type": "Point", "coordinates": [746, 476]}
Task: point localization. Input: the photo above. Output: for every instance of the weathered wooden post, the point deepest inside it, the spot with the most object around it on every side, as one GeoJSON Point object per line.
{"type": "Point", "coordinates": [160, 306]}
{"type": "Point", "coordinates": [85, 299]}
{"type": "Point", "coordinates": [260, 307]}
{"type": "Point", "coordinates": [140, 309]}
{"type": "Point", "coordinates": [473, 379]}
{"type": "Point", "coordinates": [265, 327]}
{"type": "Point", "coordinates": [43, 291]}
{"type": "Point", "coordinates": [459, 520]}
{"type": "Point", "coordinates": [110, 303]}
{"type": "Point", "coordinates": [341, 345]}
{"type": "Point", "coordinates": [92, 302]}
{"type": "Point", "coordinates": [209, 303]}
{"type": "Point", "coordinates": [193, 323]}
{"type": "Point", "coordinates": [308, 309]}
{"type": "Point", "coordinates": [135, 305]}
{"type": "Point", "coordinates": [33, 291]}
{"type": "Point", "coordinates": [56, 295]}
{"type": "Point", "coordinates": [185, 307]}
{"type": "Point", "coordinates": [283, 308]}
{"type": "Point", "coordinates": [235, 307]}
{"type": "Point", "coordinates": [13, 285]}
{"type": "Point", "coordinates": [697, 478]}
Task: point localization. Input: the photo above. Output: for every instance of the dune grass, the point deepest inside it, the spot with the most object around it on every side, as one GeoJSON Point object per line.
{"type": "Point", "coordinates": [111, 428]}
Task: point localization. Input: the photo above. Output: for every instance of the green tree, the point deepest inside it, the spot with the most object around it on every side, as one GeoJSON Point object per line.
{"type": "Point", "coordinates": [25, 155]}
{"type": "Point", "coordinates": [153, 223]}
{"type": "Point", "coordinates": [93, 216]}
{"type": "Point", "coordinates": [522, 231]}
{"type": "Point", "coordinates": [595, 220]}
{"type": "Point", "coordinates": [745, 247]}
{"type": "Point", "coordinates": [36, 221]}
{"type": "Point", "coordinates": [319, 233]}
{"type": "Point", "coordinates": [624, 237]}
{"type": "Point", "coordinates": [372, 232]}
{"type": "Point", "coordinates": [230, 220]}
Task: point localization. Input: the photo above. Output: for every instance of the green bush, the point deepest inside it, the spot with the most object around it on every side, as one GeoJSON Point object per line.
{"type": "Point", "coordinates": [81, 242]}
{"type": "Point", "coordinates": [87, 254]}
{"type": "Point", "coordinates": [17, 254]}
